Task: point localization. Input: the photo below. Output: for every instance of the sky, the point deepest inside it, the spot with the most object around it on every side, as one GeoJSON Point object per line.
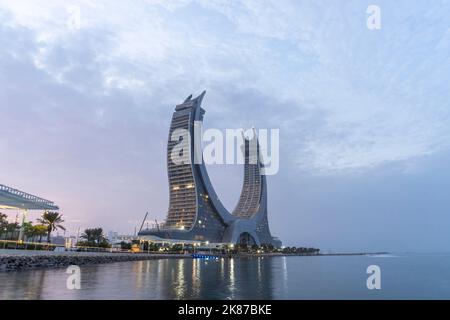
{"type": "Point", "coordinates": [87, 90]}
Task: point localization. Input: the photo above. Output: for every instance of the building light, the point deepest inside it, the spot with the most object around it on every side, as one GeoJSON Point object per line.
{"type": "Point", "coordinates": [176, 187]}
{"type": "Point", "coordinates": [189, 186]}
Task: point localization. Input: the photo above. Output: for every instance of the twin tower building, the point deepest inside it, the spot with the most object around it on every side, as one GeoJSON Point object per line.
{"type": "Point", "coordinates": [195, 211]}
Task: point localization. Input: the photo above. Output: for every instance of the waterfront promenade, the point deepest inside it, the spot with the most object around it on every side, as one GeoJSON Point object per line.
{"type": "Point", "coordinates": [16, 260]}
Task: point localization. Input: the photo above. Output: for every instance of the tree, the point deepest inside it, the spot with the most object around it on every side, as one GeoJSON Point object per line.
{"type": "Point", "coordinates": [153, 247]}
{"type": "Point", "coordinates": [3, 222]}
{"type": "Point", "coordinates": [287, 250]}
{"type": "Point", "coordinates": [125, 245]}
{"type": "Point", "coordinates": [88, 235]}
{"type": "Point", "coordinates": [11, 228]}
{"type": "Point", "coordinates": [40, 231]}
{"type": "Point", "coordinates": [95, 237]}
{"type": "Point", "coordinates": [177, 248]}
{"type": "Point", "coordinates": [53, 221]}
{"type": "Point", "coordinates": [28, 229]}
{"type": "Point", "coordinates": [99, 236]}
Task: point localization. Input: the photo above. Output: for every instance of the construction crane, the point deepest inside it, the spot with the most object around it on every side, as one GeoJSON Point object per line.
{"type": "Point", "coordinates": [143, 221]}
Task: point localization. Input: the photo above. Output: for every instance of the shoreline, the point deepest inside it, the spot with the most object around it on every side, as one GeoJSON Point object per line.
{"type": "Point", "coordinates": [36, 260]}
{"type": "Point", "coordinates": [31, 260]}
{"type": "Point", "coordinates": [262, 255]}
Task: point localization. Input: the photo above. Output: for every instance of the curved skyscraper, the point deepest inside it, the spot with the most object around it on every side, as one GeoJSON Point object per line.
{"type": "Point", "coordinates": [195, 211]}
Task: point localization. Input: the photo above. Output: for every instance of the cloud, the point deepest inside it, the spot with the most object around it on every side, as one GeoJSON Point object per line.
{"type": "Point", "coordinates": [85, 112]}
{"type": "Point", "coordinates": [345, 97]}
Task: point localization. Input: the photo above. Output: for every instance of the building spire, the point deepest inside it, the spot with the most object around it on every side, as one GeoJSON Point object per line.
{"type": "Point", "coordinates": [200, 97]}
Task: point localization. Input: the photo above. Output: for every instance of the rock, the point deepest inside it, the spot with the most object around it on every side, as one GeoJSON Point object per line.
{"type": "Point", "coordinates": [25, 262]}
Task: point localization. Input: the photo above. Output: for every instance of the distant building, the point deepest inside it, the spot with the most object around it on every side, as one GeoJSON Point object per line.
{"type": "Point", "coordinates": [195, 211]}
{"type": "Point", "coordinates": [58, 240]}
{"type": "Point", "coordinates": [112, 236]}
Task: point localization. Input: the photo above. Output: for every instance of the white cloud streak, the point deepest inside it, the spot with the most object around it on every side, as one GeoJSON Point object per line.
{"type": "Point", "coordinates": [380, 97]}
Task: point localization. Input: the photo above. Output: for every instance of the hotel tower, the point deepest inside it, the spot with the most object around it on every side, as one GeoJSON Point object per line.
{"type": "Point", "coordinates": [195, 211]}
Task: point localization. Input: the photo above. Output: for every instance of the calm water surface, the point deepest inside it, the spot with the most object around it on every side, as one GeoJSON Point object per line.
{"type": "Point", "coordinates": [327, 277]}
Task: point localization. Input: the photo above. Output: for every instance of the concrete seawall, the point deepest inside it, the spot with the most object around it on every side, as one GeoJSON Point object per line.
{"type": "Point", "coordinates": [34, 260]}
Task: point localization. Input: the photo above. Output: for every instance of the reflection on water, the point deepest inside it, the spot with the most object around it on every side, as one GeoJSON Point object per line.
{"type": "Point", "coordinates": [154, 279]}
{"type": "Point", "coordinates": [403, 277]}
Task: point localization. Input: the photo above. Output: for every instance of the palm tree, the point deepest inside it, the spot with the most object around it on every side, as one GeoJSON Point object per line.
{"type": "Point", "coordinates": [88, 235]}
{"type": "Point", "coordinates": [99, 236]}
{"type": "Point", "coordinates": [94, 236]}
{"type": "Point", "coordinates": [53, 221]}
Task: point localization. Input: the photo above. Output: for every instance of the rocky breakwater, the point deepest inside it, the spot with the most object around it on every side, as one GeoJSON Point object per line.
{"type": "Point", "coordinates": [17, 262]}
